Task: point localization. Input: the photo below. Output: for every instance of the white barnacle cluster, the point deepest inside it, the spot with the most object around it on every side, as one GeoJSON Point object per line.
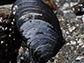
{"type": "Point", "coordinates": [14, 9]}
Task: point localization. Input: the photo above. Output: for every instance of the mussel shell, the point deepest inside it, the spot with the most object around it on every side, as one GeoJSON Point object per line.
{"type": "Point", "coordinates": [39, 27]}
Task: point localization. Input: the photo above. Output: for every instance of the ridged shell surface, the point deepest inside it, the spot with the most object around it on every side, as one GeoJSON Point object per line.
{"type": "Point", "coordinates": [39, 28]}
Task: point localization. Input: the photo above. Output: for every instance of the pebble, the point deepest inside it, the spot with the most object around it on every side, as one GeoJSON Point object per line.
{"type": "Point", "coordinates": [77, 47]}
{"type": "Point", "coordinates": [68, 44]}
{"type": "Point", "coordinates": [79, 58]}
{"type": "Point", "coordinates": [72, 28]}
{"type": "Point", "coordinates": [1, 19]}
{"type": "Point", "coordinates": [83, 18]}
{"type": "Point", "coordinates": [2, 42]}
{"type": "Point", "coordinates": [73, 42]}
{"type": "Point", "coordinates": [83, 46]}
{"type": "Point", "coordinates": [79, 41]}
{"type": "Point", "coordinates": [72, 3]}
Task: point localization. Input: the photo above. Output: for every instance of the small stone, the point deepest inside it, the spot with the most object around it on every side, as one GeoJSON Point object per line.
{"type": "Point", "coordinates": [83, 46]}
{"type": "Point", "coordinates": [73, 42]}
{"type": "Point", "coordinates": [75, 52]}
{"type": "Point", "coordinates": [57, 56]}
{"type": "Point", "coordinates": [72, 28]}
{"type": "Point", "coordinates": [9, 35]}
{"type": "Point", "coordinates": [79, 51]}
{"type": "Point", "coordinates": [0, 26]}
{"type": "Point", "coordinates": [77, 25]}
{"type": "Point", "coordinates": [21, 50]}
{"type": "Point", "coordinates": [72, 4]}
{"type": "Point", "coordinates": [78, 58]}
{"type": "Point", "coordinates": [72, 48]}
{"type": "Point", "coordinates": [83, 18]}
{"type": "Point", "coordinates": [3, 28]}
{"type": "Point", "coordinates": [77, 47]}
{"type": "Point", "coordinates": [66, 5]}
{"type": "Point", "coordinates": [60, 61]}
{"type": "Point", "coordinates": [6, 28]}
{"type": "Point", "coordinates": [68, 44]}
{"type": "Point", "coordinates": [79, 41]}
{"type": "Point", "coordinates": [13, 19]}
{"type": "Point", "coordinates": [55, 61]}
{"type": "Point", "coordinates": [2, 42]}
{"type": "Point", "coordinates": [10, 29]}
{"type": "Point", "coordinates": [6, 44]}
{"type": "Point", "coordinates": [67, 32]}
{"type": "Point", "coordinates": [1, 19]}
{"type": "Point", "coordinates": [12, 23]}
{"type": "Point", "coordinates": [80, 36]}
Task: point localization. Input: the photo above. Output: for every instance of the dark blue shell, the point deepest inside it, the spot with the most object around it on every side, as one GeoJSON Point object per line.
{"type": "Point", "coordinates": [39, 28]}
